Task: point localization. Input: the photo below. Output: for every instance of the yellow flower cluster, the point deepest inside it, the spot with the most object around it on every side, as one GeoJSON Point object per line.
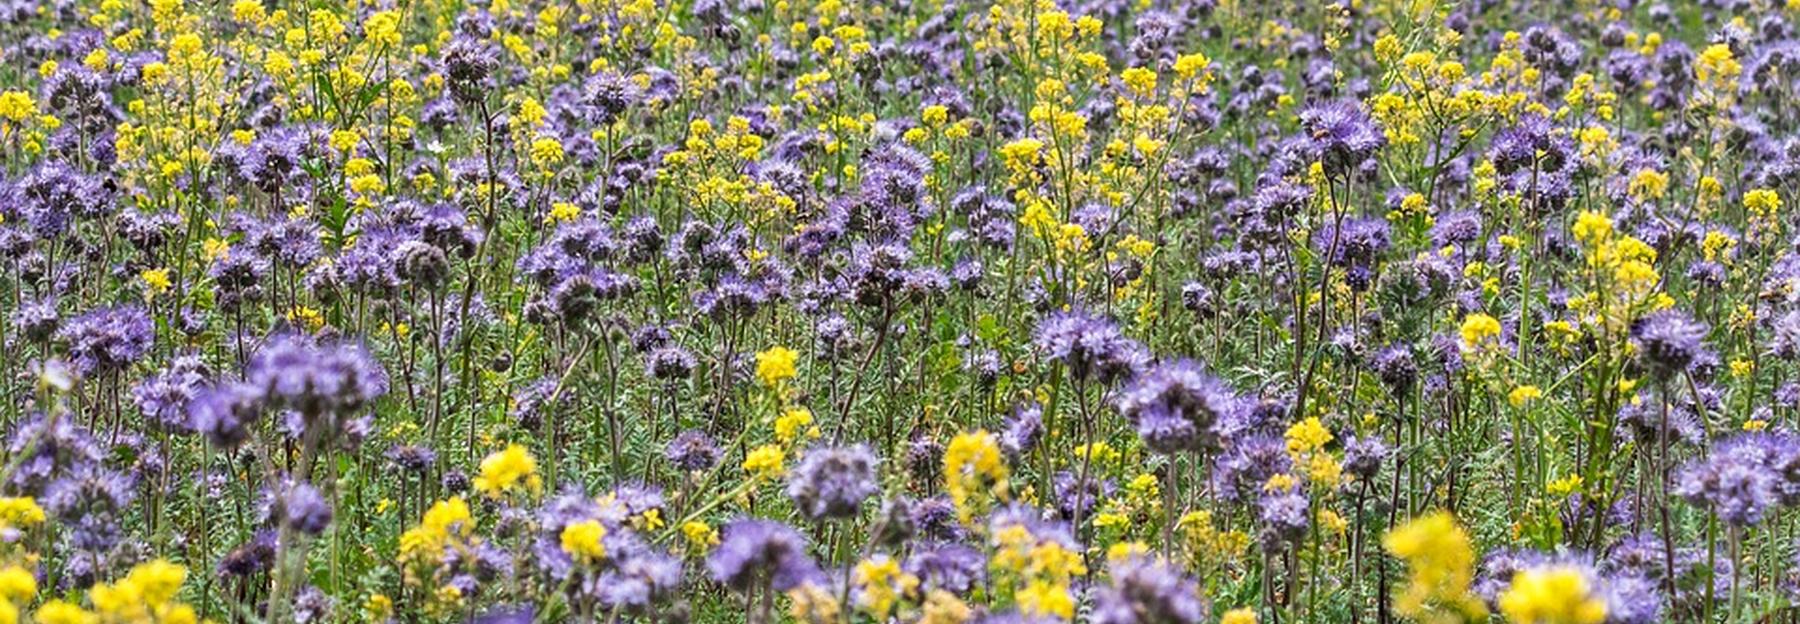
{"type": "Point", "coordinates": [1557, 594]}
{"type": "Point", "coordinates": [146, 594]}
{"type": "Point", "coordinates": [881, 584]}
{"type": "Point", "coordinates": [1039, 570]}
{"type": "Point", "coordinates": [974, 471]}
{"type": "Point", "coordinates": [447, 523]}
{"type": "Point", "coordinates": [583, 540]}
{"type": "Point", "coordinates": [776, 365]}
{"type": "Point", "coordinates": [1440, 559]}
{"type": "Point", "coordinates": [507, 471]}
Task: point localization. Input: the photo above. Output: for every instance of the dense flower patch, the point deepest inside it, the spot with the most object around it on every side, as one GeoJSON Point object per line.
{"type": "Point", "coordinates": [925, 311]}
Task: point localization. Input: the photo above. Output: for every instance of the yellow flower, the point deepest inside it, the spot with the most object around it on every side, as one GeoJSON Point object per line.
{"type": "Point", "coordinates": [562, 212]}
{"type": "Point", "coordinates": [813, 604]}
{"type": "Point", "coordinates": [1046, 598]}
{"type": "Point", "coordinates": [776, 365]}
{"type": "Point", "coordinates": [1477, 328]}
{"type": "Point", "coordinates": [765, 462]}
{"type": "Point", "coordinates": [1552, 595]}
{"type": "Point", "coordinates": [1763, 202]}
{"type": "Point", "coordinates": [1307, 436]}
{"type": "Point", "coordinates": [17, 106]}
{"type": "Point", "coordinates": [793, 424]}
{"type": "Point", "coordinates": [17, 584]}
{"type": "Point", "coordinates": [1239, 615]}
{"type": "Point", "coordinates": [61, 612]}
{"type": "Point", "coordinates": [248, 11]}
{"type": "Point", "coordinates": [1649, 184]}
{"type": "Point", "coordinates": [145, 594]}
{"type": "Point", "coordinates": [378, 608]}
{"type": "Point", "coordinates": [445, 521]}
{"type": "Point", "coordinates": [882, 584]}
{"type": "Point", "coordinates": [20, 512]}
{"type": "Point", "coordinates": [971, 462]}
{"type": "Point", "coordinates": [699, 535]}
{"type": "Point", "coordinates": [507, 470]}
{"type": "Point", "coordinates": [582, 540]}
{"type": "Point", "coordinates": [1716, 66]}
{"type": "Point", "coordinates": [942, 607]}
{"type": "Point", "coordinates": [1592, 227]}
{"type": "Point", "coordinates": [546, 152]}
{"type": "Point", "coordinates": [1142, 82]}
{"type": "Point", "coordinates": [156, 281]}
{"type": "Point", "coordinates": [1023, 153]}
{"type": "Point", "coordinates": [1438, 556]}
{"type": "Point", "coordinates": [1522, 395]}
{"type": "Point", "coordinates": [383, 28]}
{"type": "Point", "coordinates": [1189, 65]}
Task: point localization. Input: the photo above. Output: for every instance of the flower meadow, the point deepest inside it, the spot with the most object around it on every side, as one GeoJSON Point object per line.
{"type": "Point", "coordinates": [922, 311]}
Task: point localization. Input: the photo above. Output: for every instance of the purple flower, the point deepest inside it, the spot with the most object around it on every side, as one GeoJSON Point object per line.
{"type": "Point", "coordinates": [163, 398]}
{"type": "Point", "coordinates": [1284, 516]}
{"type": "Point", "coordinates": [1668, 342]}
{"type": "Point", "coordinates": [314, 378]}
{"type": "Point", "coordinates": [107, 340]}
{"type": "Point", "coordinates": [507, 614]}
{"type": "Point", "coordinates": [37, 319]}
{"type": "Point", "coordinates": [468, 63]}
{"type": "Point", "coordinates": [1344, 134]}
{"type": "Point", "coordinates": [833, 482]}
{"type": "Point", "coordinates": [1744, 477]}
{"type": "Point", "coordinates": [1363, 456]}
{"type": "Point", "coordinates": [1147, 591]}
{"type": "Point", "coordinates": [1022, 430]}
{"type": "Point", "coordinates": [1396, 368]}
{"type": "Point", "coordinates": [1091, 346]}
{"type": "Point", "coordinates": [300, 507]}
{"type": "Point", "coordinates": [412, 459]}
{"type": "Point", "coordinates": [225, 413]}
{"type": "Point", "coordinates": [754, 553]}
{"type": "Point", "coordinates": [1174, 405]}
{"type": "Point", "coordinates": [951, 567]}
{"type": "Point", "coordinates": [693, 451]}
{"type": "Point", "coordinates": [1355, 242]}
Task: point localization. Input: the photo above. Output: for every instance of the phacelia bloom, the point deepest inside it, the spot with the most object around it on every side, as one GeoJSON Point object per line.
{"type": "Point", "coordinates": [163, 398]}
{"type": "Point", "coordinates": [1174, 405]}
{"type": "Point", "coordinates": [833, 482]}
{"type": "Point", "coordinates": [955, 568]}
{"type": "Point", "coordinates": [1022, 430]}
{"type": "Point", "coordinates": [1668, 342]}
{"type": "Point", "coordinates": [1147, 591]}
{"type": "Point", "coordinates": [1395, 366]}
{"type": "Point", "coordinates": [315, 378]}
{"type": "Point", "coordinates": [1283, 516]}
{"type": "Point", "coordinates": [754, 551]}
{"type": "Point", "coordinates": [301, 507]}
{"type": "Point", "coordinates": [693, 451]}
{"type": "Point", "coordinates": [1363, 456]}
{"type": "Point", "coordinates": [1744, 477]}
{"type": "Point", "coordinates": [467, 65]}
{"type": "Point", "coordinates": [412, 459]}
{"type": "Point", "coordinates": [1355, 242]}
{"type": "Point", "coordinates": [1344, 134]}
{"type": "Point", "coordinates": [107, 340]}
{"type": "Point", "coordinates": [37, 319]}
{"type": "Point", "coordinates": [1091, 346]}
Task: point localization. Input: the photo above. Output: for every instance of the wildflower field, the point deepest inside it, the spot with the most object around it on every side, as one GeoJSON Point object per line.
{"type": "Point", "coordinates": [919, 311]}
